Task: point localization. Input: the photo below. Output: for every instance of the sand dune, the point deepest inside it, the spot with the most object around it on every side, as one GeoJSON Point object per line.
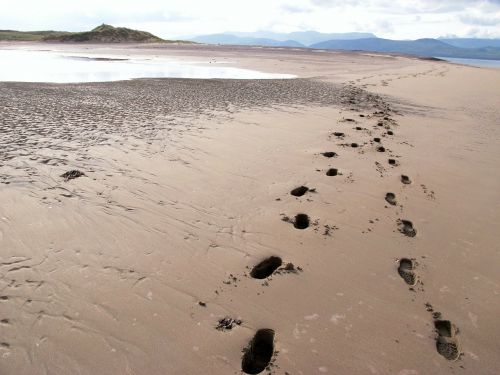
{"type": "Point", "coordinates": [342, 223]}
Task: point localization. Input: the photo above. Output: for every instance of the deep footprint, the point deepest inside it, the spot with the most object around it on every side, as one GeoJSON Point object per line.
{"type": "Point", "coordinates": [301, 221]}
{"type": "Point", "coordinates": [391, 198]}
{"type": "Point", "coordinates": [332, 172]}
{"type": "Point", "coordinates": [329, 154]}
{"type": "Point", "coordinates": [266, 267]}
{"type": "Point", "coordinates": [406, 227]}
{"type": "Point", "coordinates": [405, 270]}
{"type": "Point", "coordinates": [259, 352]}
{"type": "Point", "coordinates": [381, 149]}
{"type": "Point", "coordinates": [299, 191]}
{"type": "Point", "coordinates": [405, 179]}
{"type": "Point", "coordinates": [392, 162]}
{"type": "Point", "coordinates": [446, 341]}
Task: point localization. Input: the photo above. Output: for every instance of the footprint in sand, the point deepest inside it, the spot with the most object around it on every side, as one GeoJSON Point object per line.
{"type": "Point", "coordinates": [266, 267]}
{"type": "Point", "coordinates": [381, 149]}
{"type": "Point", "coordinates": [446, 340]}
{"type": "Point", "coordinates": [406, 227]}
{"type": "Point", "coordinates": [339, 134]}
{"type": "Point", "coordinates": [392, 162]}
{"type": "Point", "coordinates": [301, 221]}
{"type": "Point", "coordinates": [259, 352]}
{"type": "Point", "coordinates": [406, 271]}
{"type": "Point", "coordinates": [299, 191]}
{"type": "Point", "coordinates": [391, 198]}
{"type": "Point", "coordinates": [405, 179]}
{"type": "Point", "coordinates": [329, 154]}
{"type": "Point", "coordinates": [332, 172]}
{"type": "Point", "coordinates": [376, 139]}
{"type": "Point", "coordinates": [70, 175]}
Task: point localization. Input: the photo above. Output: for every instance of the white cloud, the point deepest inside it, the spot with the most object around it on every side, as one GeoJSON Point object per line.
{"type": "Point", "coordinates": [403, 19]}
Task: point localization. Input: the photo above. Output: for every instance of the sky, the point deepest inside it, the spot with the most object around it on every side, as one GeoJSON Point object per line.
{"type": "Point", "coordinates": [395, 19]}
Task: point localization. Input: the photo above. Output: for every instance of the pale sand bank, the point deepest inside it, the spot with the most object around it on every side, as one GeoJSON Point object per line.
{"type": "Point", "coordinates": [185, 189]}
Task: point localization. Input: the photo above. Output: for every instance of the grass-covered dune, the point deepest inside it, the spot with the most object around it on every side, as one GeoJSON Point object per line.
{"type": "Point", "coordinates": [101, 34]}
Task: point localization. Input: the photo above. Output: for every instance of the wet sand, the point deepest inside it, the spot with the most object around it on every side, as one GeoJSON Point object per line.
{"type": "Point", "coordinates": [132, 267]}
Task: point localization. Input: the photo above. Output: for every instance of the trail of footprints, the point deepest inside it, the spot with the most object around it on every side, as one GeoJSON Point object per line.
{"type": "Point", "coordinates": [447, 343]}
{"type": "Point", "coordinates": [258, 355]}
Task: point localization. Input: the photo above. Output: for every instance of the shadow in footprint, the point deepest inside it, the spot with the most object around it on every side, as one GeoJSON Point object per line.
{"type": "Point", "coordinates": [392, 162]}
{"type": "Point", "coordinates": [446, 341]}
{"type": "Point", "coordinates": [332, 172]}
{"type": "Point", "coordinates": [301, 221]}
{"type": "Point", "coordinates": [354, 145]}
{"type": "Point", "coordinates": [405, 179]}
{"type": "Point", "coordinates": [338, 134]}
{"type": "Point", "coordinates": [376, 139]}
{"type": "Point", "coordinates": [70, 175]}
{"type": "Point", "coordinates": [406, 227]}
{"type": "Point", "coordinates": [266, 267]}
{"type": "Point", "coordinates": [299, 191]}
{"type": "Point", "coordinates": [381, 149]}
{"type": "Point", "coordinates": [390, 132]}
{"type": "Point", "coordinates": [259, 352]}
{"type": "Point", "coordinates": [391, 198]}
{"type": "Point", "coordinates": [329, 154]}
{"type": "Point", "coordinates": [405, 270]}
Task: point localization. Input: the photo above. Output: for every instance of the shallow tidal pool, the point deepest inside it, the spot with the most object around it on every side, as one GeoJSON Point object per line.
{"type": "Point", "coordinates": [66, 67]}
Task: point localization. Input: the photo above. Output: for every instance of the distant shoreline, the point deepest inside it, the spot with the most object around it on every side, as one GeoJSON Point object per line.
{"type": "Point", "coordinates": [480, 63]}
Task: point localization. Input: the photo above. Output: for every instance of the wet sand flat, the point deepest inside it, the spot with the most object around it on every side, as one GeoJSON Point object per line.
{"type": "Point", "coordinates": [226, 223]}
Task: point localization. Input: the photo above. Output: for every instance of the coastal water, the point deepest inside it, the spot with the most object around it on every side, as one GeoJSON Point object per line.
{"type": "Point", "coordinates": [474, 62]}
{"type": "Point", "coordinates": [59, 67]}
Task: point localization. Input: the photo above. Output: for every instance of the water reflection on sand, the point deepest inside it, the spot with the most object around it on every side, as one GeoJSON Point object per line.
{"type": "Point", "coordinates": [57, 67]}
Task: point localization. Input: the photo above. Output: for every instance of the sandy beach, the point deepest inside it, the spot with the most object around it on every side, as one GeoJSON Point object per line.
{"type": "Point", "coordinates": [187, 185]}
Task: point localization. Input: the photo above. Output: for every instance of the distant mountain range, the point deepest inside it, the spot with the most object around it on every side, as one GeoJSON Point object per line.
{"type": "Point", "coordinates": [267, 38]}
{"type": "Point", "coordinates": [244, 41]}
{"type": "Point", "coordinates": [419, 47]}
{"type": "Point", "coordinates": [446, 47]}
{"type": "Point", "coordinates": [471, 42]}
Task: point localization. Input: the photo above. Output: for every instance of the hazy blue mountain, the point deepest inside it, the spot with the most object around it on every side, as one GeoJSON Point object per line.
{"type": "Point", "coordinates": [420, 47]}
{"type": "Point", "coordinates": [305, 37]}
{"type": "Point", "coordinates": [268, 38]}
{"type": "Point", "coordinates": [244, 41]}
{"type": "Point", "coordinates": [471, 42]}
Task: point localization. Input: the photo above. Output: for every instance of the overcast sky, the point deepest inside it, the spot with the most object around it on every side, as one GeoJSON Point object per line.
{"type": "Point", "coordinates": [397, 19]}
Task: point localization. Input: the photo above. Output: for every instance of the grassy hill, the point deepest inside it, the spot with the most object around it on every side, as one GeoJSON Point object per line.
{"type": "Point", "coordinates": [106, 34]}
{"type": "Point", "coordinates": [27, 36]}
{"type": "Point", "coordinates": [101, 34]}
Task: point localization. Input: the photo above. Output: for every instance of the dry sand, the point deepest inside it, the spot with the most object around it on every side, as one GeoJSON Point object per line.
{"type": "Point", "coordinates": [129, 268]}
